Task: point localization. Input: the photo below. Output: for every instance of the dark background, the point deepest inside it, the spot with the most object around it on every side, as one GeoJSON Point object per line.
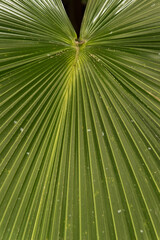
{"type": "Point", "coordinates": [75, 10]}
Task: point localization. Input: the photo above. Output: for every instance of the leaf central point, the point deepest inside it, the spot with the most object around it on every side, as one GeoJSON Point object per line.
{"type": "Point", "coordinates": [79, 42]}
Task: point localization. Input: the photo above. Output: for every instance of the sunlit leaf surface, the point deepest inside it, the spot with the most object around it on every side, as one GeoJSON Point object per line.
{"type": "Point", "coordinates": [80, 121]}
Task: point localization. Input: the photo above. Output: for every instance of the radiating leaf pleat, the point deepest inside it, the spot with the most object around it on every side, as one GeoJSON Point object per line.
{"type": "Point", "coordinates": [80, 121]}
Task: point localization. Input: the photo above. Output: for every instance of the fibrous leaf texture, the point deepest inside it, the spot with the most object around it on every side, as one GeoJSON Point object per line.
{"type": "Point", "coordinates": [80, 121]}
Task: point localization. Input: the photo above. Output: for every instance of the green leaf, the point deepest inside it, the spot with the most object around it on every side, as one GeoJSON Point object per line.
{"type": "Point", "coordinates": [80, 121]}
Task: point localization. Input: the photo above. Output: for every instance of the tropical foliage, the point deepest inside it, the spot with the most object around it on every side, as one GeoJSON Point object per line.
{"type": "Point", "coordinates": [80, 121]}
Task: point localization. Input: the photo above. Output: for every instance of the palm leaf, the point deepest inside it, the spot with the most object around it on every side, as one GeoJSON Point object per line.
{"type": "Point", "coordinates": [80, 121]}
